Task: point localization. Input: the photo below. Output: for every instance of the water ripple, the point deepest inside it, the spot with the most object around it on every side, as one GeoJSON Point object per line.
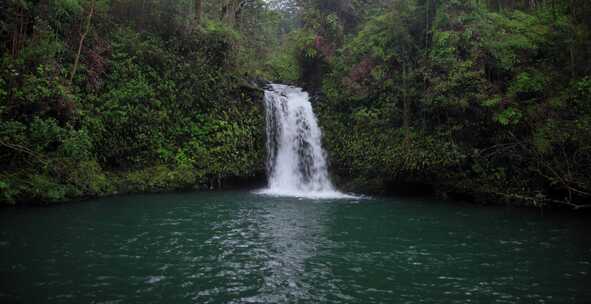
{"type": "Point", "coordinates": [243, 248]}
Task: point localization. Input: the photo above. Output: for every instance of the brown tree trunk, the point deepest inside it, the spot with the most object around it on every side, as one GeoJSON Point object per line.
{"type": "Point", "coordinates": [198, 12]}
{"type": "Point", "coordinates": [82, 38]}
{"type": "Point", "coordinates": [14, 42]}
{"type": "Point", "coordinates": [18, 34]}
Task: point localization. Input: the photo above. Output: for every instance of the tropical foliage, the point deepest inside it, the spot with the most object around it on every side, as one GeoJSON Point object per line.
{"type": "Point", "coordinates": [487, 99]}
{"type": "Point", "coordinates": [474, 98]}
{"type": "Point", "coordinates": [155, 103]}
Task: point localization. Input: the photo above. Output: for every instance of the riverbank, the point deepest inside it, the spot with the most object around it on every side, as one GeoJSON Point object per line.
{"type": "Point", "coordinates": [158, 179]}
{"type": "Point", "coordinates": [456, 192]}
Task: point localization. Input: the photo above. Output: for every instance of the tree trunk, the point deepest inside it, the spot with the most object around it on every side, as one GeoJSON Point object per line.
{"type": "Point", "coordinates": [226, 10]}
{"type": "Point", "coordinates": [44, 9]}
{"type": "Point", "coordinates": [427, 17]}
{"type": "Point", "coordinates": [18, 35]}
{"type": "Point", "coordinates": [82, 38]}
{"type": "Point", "coordinates": [230, 11]}
{"type": "Point", "coordinates": [198, 12]}
{"type": "Point", "coordinates": [572, 62]}
{"type": "Point", "coordinates": [142, 16]}
{"type": "Point", "coordinates": [405, 100]}
{"type": "Point", "coordinates": [574, 41]}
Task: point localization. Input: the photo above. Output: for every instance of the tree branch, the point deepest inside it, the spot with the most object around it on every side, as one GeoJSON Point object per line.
{"type": "Point", "coordinates": [82, 38]}
{"type": "Point", "coordinates": [24, 150]}
{"type": "Point", "coordinates": [539, 201]}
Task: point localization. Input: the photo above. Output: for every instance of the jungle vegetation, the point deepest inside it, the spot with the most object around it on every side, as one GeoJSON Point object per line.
{"type": "Point", "coordinates": [482, 99]}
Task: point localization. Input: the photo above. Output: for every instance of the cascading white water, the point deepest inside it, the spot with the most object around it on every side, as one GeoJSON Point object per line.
{"type": "Point", "coordinates": [296, 162]}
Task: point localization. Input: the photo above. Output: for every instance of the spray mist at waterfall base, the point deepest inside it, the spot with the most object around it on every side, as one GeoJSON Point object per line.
{"type": "Point", "coordinates": [296, 161]}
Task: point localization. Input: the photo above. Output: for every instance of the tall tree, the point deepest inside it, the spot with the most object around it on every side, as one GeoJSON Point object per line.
{"type": "Point", "coordinates": [198, 12]}
{"type": "Point", "coordinates": [84, 30]}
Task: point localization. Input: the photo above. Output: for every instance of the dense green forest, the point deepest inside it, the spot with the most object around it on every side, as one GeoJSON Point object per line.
{"type": "Point", "coordinates": [486, 100]}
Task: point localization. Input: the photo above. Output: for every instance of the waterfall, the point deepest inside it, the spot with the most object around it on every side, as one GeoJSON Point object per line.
{"type": "Point", "coordinates": [296, 162]}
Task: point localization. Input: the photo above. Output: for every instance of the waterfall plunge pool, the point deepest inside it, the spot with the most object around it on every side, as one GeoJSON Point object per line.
{"type": "Point", "coordinates": [240, 247]}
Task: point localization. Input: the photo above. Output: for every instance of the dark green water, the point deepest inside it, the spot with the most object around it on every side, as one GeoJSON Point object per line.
{"type": "Point", "coordinates": [242, 248]}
